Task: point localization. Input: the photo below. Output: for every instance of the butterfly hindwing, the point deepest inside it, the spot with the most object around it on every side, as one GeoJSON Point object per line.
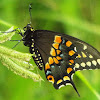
{"type": "Point", "coordinates": [61, 62]}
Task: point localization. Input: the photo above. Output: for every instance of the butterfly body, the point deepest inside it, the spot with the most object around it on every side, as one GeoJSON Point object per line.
{"type": "Point", "coordinates": [60, 55]}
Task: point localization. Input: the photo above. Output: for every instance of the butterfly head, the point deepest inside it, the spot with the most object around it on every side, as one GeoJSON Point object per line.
{"type": "Point", "coordinates": [28, 35]}
{"type": "Point", "coordinates": [28, 27]}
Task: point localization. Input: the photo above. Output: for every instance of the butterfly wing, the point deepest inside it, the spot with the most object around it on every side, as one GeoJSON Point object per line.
{"type": "Point", "coordinates": [62, 55]}
{"type": "Point", "coordinates": [88, 57]}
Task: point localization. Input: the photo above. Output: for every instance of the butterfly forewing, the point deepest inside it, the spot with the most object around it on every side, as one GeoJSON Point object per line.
{"type": "Point", "coordinates": [88, 57]}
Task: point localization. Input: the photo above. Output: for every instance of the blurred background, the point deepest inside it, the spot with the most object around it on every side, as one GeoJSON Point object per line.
{"type": "Point", "coordinates": [78, 18]}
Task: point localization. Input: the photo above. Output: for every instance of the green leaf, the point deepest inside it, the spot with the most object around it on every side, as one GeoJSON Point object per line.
{"type": "Point", "coordinates": [7, 35]}
{"type": "Point", "coordinates": [15, 54]}
{"type": "Point", "coordinates": [80, 75]}
{"type": "Point", "coordinates": [18, 69]}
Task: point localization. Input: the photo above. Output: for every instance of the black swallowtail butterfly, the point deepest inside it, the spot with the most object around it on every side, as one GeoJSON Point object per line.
{"type": "Point", "coordinates": [60, 55]}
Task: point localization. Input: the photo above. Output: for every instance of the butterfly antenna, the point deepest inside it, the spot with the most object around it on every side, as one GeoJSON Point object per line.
{"type": "Point", "coordinates": [75, 88]}
{"type": "Point", "coordinates": [30, 7]}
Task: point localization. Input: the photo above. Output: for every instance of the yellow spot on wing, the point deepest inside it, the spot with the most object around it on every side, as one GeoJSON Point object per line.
{"type": "Point", "coordinates": [79, 56]}
{"type": "Point", "coordinates": [59, 81]}
{"type": "Point", "coordinates": [51, 60]}
{"type": "Point", "coordinates": [55, 45]}
{"type": "Point", "coordinates": [68, 43]}
{"type": "Point", "coordinates": [47, 66]}
{"type": "Point", "coordinates": [52, 52]}
{"type": "Point", "coordinates": [94, 62]}
{"type": "Point", "coordinates": [57, 39]}
{"type": "Point", "coordinates": [88, 63]}
{"type": "Point", "coordinates": [69, 70]}
{"type": "Point", "coordinates": [83, 64]}
{"type": "Point", "coordinates": [98, 60]}
{"type": "Point", "coordinates": [55, 60]}
{"type": "Point", "coordinates": [71, 52]}
{"type": "Point", "coordinates": [70, 63]}
{"type": "Point", "coordinates": [90, 56]}
{"type": "Point", "coordinates": [85, 47]}
{"type": "Point", "coordinates": [66, 78]}
{"type": "Point", "coordinates": [50, 78]}
{"type": "Point", "coordinates": [83, 54]}
{"type": "Point", "coordinates": [77, 65]}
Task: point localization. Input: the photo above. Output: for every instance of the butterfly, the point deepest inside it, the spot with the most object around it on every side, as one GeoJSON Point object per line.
{"type": "Point", "coordinates": [60, 55]}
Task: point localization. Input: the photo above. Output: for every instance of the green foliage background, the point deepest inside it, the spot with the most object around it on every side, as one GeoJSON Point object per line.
{"type": "Point", "coordinates": [78, 18]}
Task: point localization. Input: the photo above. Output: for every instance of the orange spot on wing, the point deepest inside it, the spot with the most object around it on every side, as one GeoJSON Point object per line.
{"type": "Point", "coordinates": [50, 78]}
{"type": "Point", "coordinates": [52, 52]}
{"type": "Point", "coordinates": [59, 81]}
{"type": "Point", "coordinates": [66, 78]}
{"type": "Point", "coordinates": [59, 58]}
{"type": "Point", "coordinates": [55, 60]}
{"type": "Point", "coordinates": [47, 66]}
{"type": "Point", "coordinates": [69, 70]}
{"type": "Point", "coordinates": [72, 61]}
{"type": "Point", "coordinates": [55, 45]}
{"type": "Point", "coordinates": [58, 52]}
{"type": "Point", "coordinates": [51, 60]}
{"type": "Point", "coordinates": [57, 39]}
{"type": "Point", "coordinates": [71, 52]}
{"type": "Point", "coordinates": [68, 43]}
